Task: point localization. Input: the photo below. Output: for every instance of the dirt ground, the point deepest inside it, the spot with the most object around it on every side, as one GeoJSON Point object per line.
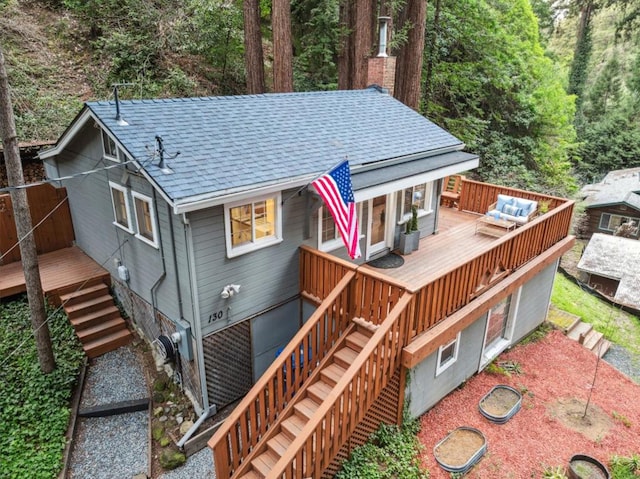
{"type": "Point", "coordinates": [557, 377]}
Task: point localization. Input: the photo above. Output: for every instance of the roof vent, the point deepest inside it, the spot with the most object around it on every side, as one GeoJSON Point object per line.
{"type": "Point", "coordinates": [160, 151]}
{"type": "Point", "coordinates": [382, 43]}
{"type": "Point", "coordinates": [119, 120]}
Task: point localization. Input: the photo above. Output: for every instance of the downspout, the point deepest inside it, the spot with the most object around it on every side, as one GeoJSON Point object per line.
{"type": "Point", "coordinates": [154, 288]}
{"type": "Point", "coordinates": [197, 330]}
{"type": "Point", "coordinates": [175, 263]}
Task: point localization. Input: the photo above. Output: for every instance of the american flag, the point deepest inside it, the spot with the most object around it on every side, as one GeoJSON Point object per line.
{"type": "Point", "coordinates": [335, 189]}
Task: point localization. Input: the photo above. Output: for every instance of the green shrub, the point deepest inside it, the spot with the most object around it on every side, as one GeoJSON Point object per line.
{"type": "Point", "coordinates": [170, 459]}
{"type": "Point", "coordinates": [625, 467]}
{"type": "Point", "coordinates": [34, 407]}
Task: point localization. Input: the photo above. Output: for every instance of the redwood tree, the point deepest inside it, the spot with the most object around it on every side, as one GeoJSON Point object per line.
{"type": "Point", "coordinates": [282, 46]}
{"type": "Point", "coordinates": [409, 62]}
{"type": "Point", "coordinates": [253, 58]}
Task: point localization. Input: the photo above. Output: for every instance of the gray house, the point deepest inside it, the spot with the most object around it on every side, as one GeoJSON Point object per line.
{"type": "Point", "coordinates": [198, 207]}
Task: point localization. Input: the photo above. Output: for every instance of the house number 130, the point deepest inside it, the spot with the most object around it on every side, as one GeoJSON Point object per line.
{"type": "Point", "coordinates": [215, 315]}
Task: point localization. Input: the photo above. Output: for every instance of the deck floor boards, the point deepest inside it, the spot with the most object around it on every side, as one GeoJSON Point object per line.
{"type": "Point", "coordinates": [455, 243]}
{"type": "Point", "coordinates": [59, 269]}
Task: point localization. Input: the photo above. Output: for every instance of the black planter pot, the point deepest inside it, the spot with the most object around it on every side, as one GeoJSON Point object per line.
{"type": "Point", "coordinates": [586, 467]}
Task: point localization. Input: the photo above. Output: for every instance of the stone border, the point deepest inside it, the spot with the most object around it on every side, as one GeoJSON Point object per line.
{"type": "Point", "coordinates": [71, 429]}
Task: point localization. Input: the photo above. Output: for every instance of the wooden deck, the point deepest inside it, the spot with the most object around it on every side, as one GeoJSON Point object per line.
{"type": "Point", "coordinates": [456, 242]}
{"type": "Point", "coordinates": [61, 272]}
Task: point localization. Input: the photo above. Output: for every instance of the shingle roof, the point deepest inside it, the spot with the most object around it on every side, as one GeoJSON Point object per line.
{"type": "Point", "coordinates": [234, 143]}
{"type": "Point", "coordinates": [619, 186]}
{"type": "Point", "coordinates": [616, 258]}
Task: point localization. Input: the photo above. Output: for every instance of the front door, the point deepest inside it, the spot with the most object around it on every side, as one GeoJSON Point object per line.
{"type": "Point", "coordinates": [378, 213]}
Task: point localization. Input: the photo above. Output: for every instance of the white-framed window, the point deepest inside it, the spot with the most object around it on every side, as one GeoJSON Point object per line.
{"type": "Point", "coordinates": [110, 149]}
{"type": "Point", "coordinates": [328, 234]}
{"type": "Point", "coordinates": [447, 354]}
{"type": "Point", "coordinates": [253, 224]}
{"type": "Point", "coordinates": [610, 222]}
{"type": "Point", "coordinates": [120, 202]}
{"type": "Point", "coordinates": [145, 219]}
{"type": "Point", "coordinates": [418, 195]}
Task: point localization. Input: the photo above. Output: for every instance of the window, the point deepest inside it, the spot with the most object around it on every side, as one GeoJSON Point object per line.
{"type": "Point", "coordinates": [609, 222]}
{"type": "Point", "coordinates": [253, 225]}
{"type": "Point", "coordinates": [109, 147]}
{"type": "Point", "coordinates": [419, 195]}
{"type": "Point", "coordinates": [328, 234]}
{"type": "Point", "coordinates": [145, 219]}
{"type": "Point", "coordinates": [120, 203]}
{"type": "Point", "coordinates": [447, 354]}
{"type": "Point", "coordinates": [498, 320]}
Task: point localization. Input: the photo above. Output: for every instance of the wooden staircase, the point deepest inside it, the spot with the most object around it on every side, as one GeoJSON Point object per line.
{"type": "Point", "coordinates": [587, 336]}
{"type": "Point", "coordinates": [96, 319]}
{"type": "Point", "coordinates": [306, 403]}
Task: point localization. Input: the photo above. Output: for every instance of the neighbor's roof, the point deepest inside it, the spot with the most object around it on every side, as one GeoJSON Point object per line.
{"type": "Point", "coordinates": [619, 186]}
{"type": "Point", "coordinates": [238, 143]}
{"type": "Point", "coordinates": [618, 258]}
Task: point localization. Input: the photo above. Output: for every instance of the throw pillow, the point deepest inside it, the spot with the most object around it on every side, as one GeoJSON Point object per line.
{"type": "Point", "coordinates": [504, 200]}
{"type": "Point", "coordinates": [511, 210]}
{"type": "Point", "coordinates": [525, 206]}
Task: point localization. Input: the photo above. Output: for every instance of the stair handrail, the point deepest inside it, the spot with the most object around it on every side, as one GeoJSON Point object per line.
{"type": "Point", "coordinates": [235, 439]}
{"type": "Point", "coordinates": [391, 333]}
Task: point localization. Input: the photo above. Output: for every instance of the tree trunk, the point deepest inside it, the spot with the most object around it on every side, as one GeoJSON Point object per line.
{"type": "Point", "coordinates": [345, 50]}
{"type": "Point", "coordinates": [253, 58]}
{"type": "Point", "coordinates": [363, 41]}
{"type": "Point", "coordinates": [433, 39]}
{"type": "Point", "coordinates": [23, 226]}
{"type": "Point", "coordinates": [409, 63]}
{"type": "Point", "coordinates": [282, 46]}
{"type": "Point", "coordinates": [582, 53]}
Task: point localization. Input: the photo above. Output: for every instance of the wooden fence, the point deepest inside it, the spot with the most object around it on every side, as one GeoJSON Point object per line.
{"type": "Point", "coordinates": [50, 217]}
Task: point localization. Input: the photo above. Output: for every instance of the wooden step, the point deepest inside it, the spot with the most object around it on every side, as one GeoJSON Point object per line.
{"type": "Point", "coordinates": [602, 348]}
{"type": "Point", "coordinates": [591, 339]}
{"type": "Point", "coordinates": [293, 425]}
{"type": "Point", "coordinates": [96, 317]}
{"type": "Point", "coordinates": [319, 391]}
{"type": "Point", "coordinates": [307, 407]}
{"type": "Point", "coordinates": [103, 329]}
{"type": "Point", "coordinates": [107, 343]}
{"type": "Point", "coordinates": [84, 294]}
{"type": "Point", "coordinates": [251, 475]}
{"type": "Point", "coordinates": [264, 463]}
{"type": "Point", "coordinates": [279, 443]}
{"type": "Point", "coordinates": [345, 357]}
{"type": "Point", "coordinates": [579, 330]}
{"type": "Point", "coordinates": [357, 340]}
{"type": "Point", "coordinates": [332, 374]}
{"type": "Point", "coordinates": [364, 325]}
{"type": "Point", "coordinates": [89, 306]}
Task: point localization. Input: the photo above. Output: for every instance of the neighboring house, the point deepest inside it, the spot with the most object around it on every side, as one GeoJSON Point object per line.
{"type": "Point", "coordinates": [612, 264]}
{"type": "Point", "coordinates": [203, 196]}
{"type": "Point", "coordinates": [613, 202]}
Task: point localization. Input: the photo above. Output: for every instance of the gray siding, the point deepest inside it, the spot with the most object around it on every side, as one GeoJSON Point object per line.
{"type": "Point", "coordinates": [424, 389]}
{"type": "Point", "coordinates": [272, 331]}
{"type": "Point", "coordinates": [92, 214]}
{"type": "Point", "coordinates": [268, 277]}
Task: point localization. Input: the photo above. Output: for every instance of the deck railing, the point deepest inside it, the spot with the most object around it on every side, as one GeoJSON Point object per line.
{"type": "Point", "coordinates": [333, 423]}
{"type": "Point", "coordinates": [262, 405]}
{"type": "Point", "coordinates": [476, 196]}
{"type": "Point", "coordinates": [320, 273]}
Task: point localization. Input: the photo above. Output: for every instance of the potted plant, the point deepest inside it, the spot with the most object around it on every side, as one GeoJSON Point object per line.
{"type": "Point", "coordinates": [415, 233]}
{"type": "Point", "coordinates": [406, 239]}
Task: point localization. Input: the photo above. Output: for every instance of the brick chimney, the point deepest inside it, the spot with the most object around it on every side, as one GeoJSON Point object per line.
{"type": "Point", "coordinates": [382, 68]}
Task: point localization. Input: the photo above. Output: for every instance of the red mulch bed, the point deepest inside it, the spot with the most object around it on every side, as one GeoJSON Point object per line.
{"type": "Point", "coordinates": [555, 368]}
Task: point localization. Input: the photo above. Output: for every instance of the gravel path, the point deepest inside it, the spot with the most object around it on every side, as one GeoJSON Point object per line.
{"type": "Point", "coordinates": [198, 466]}
{"type": "Point", "coordinates": [624, 361]}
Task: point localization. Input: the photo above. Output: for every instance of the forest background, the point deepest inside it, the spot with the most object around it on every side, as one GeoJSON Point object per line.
{"type": "Point", "coordinates": [547, 93]}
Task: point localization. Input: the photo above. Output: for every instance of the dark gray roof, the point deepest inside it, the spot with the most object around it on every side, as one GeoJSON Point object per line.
{"type": "Point", "coordinates": [619, 186]}
{"type": "Point", "coordinates": [616, 258]}
{"type": "Point", "coordinates": [235, 143]}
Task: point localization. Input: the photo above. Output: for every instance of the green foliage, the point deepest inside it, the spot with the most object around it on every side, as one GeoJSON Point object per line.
{"type": "Point", "coordinates": [557, 472]}
{"type": "Point", "coordinates": [172, 458]}
{"type": "Point", "coordinates": [621, 418]}
{"type": "Point", "coordinates": [34, 407]}
{"type": "Point", "coordinates": [390, 453]}
{"type": "Point", "coordinates": [539, 333]}
{"type": "Point", "coordinates": [414, 218]}
{"type": "Point", "coordinates": [625, 467]}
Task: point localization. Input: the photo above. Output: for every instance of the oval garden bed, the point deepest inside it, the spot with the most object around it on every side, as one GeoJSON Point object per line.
{"type": "Point", "coordinates": [500, 404]}
{"type": "Point", "coordinates": [586, 467]}
{"type": "Point", "coordinates": [460, 449]}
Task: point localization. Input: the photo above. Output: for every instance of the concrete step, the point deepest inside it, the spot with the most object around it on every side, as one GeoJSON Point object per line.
{"type": "Point", "coordinates": [84, 294]}
{"type": "Point", "coordinates": [95, 318]}
{"type": "Point", "coordinates": [107, 343]}
{"type": "Point", "coordinates": [591, 339]}
{"type": "Point", "coordinates": [602, 347]}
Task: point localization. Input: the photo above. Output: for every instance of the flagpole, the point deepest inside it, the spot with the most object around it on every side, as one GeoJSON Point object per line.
{"type": "Point", "coordinates": [302, 188]}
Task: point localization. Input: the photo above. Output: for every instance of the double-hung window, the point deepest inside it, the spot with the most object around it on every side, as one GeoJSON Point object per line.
{"type": "Point", "coordinates": [145, 219]}
{"type": "Point", "coordinates": [120, 202]}
{"type": "Point", "coordinates": [610, 222]}
{"type": "Point", "coordinates": [254, 224]}
{"type": "Point", "coordinates": [328, 234]}
{"type": "Point", "coordinates": [418, 196]}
